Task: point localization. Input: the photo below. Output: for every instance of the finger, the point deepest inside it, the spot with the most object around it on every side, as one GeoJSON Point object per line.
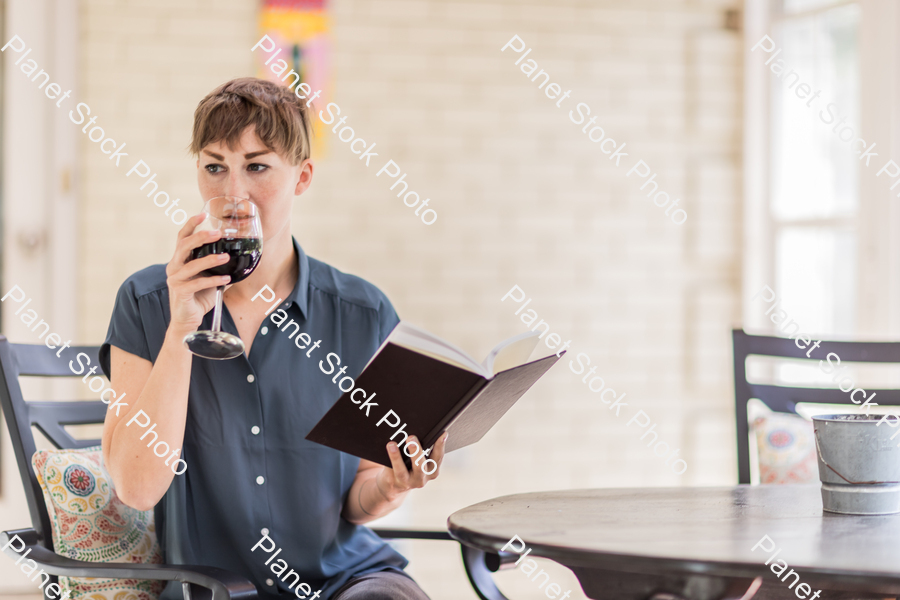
{"type": "Point", "coordinates": [190, 225]}
{"type": "Point", "coordinates": [437, 455]}
{"type": "Point", "coordinates": [190, 288]}
{"type": "Point", "coordinates": [185, 246]}
{"type": "Point", "coordinates": [401, 473]}
{"type": "Point", "coordinates": [419, 477]}
{"type": "Point", "coordinates": [195, 267]}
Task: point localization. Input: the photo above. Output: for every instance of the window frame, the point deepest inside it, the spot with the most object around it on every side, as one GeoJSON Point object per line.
{"type": "Point", "coordinates": [877, 220]}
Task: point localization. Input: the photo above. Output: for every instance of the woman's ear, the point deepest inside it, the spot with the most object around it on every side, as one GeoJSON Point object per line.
{"type": "Point", "coordinates": [305, 178]}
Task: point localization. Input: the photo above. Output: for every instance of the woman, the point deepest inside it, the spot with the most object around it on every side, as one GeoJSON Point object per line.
{"type": "Point", "coordinates": [241, 423]}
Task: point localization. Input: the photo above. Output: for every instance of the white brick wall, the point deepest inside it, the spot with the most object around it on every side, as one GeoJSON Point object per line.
{"type": "Point", "coordinates": [523, 199]}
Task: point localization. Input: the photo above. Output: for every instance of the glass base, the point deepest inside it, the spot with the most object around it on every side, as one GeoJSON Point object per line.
{"type": "Point", "coordinates": [214, 345]}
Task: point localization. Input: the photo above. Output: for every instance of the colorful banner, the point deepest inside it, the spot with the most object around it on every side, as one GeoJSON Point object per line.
{"type": "Point", "coordinates": [301, 29]}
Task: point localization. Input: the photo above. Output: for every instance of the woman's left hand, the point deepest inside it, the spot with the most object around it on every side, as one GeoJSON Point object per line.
{"type": "Point", "coordinates": [395, 482]}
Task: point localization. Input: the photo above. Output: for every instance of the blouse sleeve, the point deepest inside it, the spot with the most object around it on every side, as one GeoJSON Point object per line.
{"type": "Point", "coordinates": [126, 327]}
{"type": "Point", "coordinates": [387, 319]}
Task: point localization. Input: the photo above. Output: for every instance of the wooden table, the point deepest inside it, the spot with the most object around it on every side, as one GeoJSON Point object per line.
{"type": "Point", "coordinates": [693, 542]}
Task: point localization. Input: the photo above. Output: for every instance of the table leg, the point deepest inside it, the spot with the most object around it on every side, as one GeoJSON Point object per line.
{"type": "Point", "coordinates": [602, 585]}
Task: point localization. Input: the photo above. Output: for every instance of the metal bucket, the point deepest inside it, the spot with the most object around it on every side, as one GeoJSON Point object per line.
{"type": "Point", "coordinates": [859, 464]}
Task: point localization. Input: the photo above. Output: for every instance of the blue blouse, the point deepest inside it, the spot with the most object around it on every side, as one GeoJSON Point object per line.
{"type": "Point", "coordinates": [250, 468]}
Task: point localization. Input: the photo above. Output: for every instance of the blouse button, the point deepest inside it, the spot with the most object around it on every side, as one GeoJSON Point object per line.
{"type": "Point", "coordinates": [264, 330]}
{"type": "Point", "coordinates": [269, 582]}
{"type": "Point", "coordinates": [265, 531]}
{"type": "Point", "coordinates": [251, 378]}
{"type": "Point", "coordinates": [255, 431]}
{"type": "Point", "coordinates": [260, 480]}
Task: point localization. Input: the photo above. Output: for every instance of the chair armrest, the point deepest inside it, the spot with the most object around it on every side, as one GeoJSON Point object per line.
{"type": "Point", "coordinates": [478, 564]}
{"type": "Point", "coordinates": [224, 585]}
{"type": "Point", "coordinates": [412, 534]}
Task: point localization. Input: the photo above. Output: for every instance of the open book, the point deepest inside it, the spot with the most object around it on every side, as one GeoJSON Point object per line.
{"type": "Point", "coordinates": [433, 387]}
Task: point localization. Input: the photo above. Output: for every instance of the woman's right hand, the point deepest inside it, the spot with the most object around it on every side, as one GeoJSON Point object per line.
{"type": "Point", "coordinates": [192, 295]}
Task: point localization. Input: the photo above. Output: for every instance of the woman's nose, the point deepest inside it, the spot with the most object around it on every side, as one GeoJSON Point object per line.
{"type": "Point", "coordinates": [235, 185]}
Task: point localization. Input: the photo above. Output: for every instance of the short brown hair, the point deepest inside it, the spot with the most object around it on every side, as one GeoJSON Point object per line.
{"type": "Point", "coordinates": [281, 119]}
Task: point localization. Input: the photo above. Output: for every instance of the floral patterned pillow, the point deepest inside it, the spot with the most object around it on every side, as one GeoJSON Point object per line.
{"type": "Point", "coordinates": [90, 523]}
{"type": "Point", "coordinates": [786, 446]}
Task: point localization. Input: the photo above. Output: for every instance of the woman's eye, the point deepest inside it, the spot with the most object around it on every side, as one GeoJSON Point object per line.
{"type": "Point", "coordinates": [256, 167]}
{"type": "Point", "coordinates": [213, 168]}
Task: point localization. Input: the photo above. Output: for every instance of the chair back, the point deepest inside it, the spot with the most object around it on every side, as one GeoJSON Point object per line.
{"type": "Point", "coordinates": [785, 398]}
{"type": "Point", "coordinates": [50, 418]}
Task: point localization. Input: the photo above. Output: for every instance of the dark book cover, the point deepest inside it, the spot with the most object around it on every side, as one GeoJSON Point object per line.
{"type": "Point", "coordinates": [428, 395]}
{"type": "Point", "coordinates": [497, 396]}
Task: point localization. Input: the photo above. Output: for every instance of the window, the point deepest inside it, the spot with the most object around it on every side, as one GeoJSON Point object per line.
{"type": "Point", "coordinates": [814, 174]}
{"type": "Point", "coordinates": [820, 226]}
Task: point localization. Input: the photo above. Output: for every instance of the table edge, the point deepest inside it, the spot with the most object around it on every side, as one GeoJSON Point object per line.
{"type": "Point", "coordinates": [641, 564]}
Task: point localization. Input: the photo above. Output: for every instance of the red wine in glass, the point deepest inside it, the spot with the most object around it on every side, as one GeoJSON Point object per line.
{"type": "Point", "coordinates": [238, 220]}
{"type": "Point", "coordinates": [244, 252]}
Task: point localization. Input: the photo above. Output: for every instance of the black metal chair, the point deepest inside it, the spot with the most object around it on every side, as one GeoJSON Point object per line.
{"type": "Point", "coordinates": [785, 398]}
{"type": "Point", "coordinates": [50, 418]}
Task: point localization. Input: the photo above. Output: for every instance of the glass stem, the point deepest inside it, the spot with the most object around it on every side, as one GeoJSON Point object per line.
{"type": "Point", "coordinates": [217, 313]}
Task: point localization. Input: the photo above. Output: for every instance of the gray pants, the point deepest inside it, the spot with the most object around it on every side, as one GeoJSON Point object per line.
{"type": "Point", "coordinates": [383, 585]}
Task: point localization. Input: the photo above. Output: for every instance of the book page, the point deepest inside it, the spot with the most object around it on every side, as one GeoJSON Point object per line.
{"type": "Point", "coordinates": [507, 354]}
{"type": "Point", "coordinates": [511, 353]}
{"type": "Point", "coordinates": [418, 340]}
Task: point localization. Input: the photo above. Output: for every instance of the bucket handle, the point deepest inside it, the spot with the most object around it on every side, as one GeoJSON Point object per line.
{"type": "Point", "coordinates": [824, 462]}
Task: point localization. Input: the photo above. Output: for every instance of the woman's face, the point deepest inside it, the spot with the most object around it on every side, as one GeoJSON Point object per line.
{"type": "Point", "coordinates": [251, 170]}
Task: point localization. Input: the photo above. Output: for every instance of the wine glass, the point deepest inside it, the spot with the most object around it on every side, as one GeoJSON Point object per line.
{"type": "Point", "coordinates": [238, 220]}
